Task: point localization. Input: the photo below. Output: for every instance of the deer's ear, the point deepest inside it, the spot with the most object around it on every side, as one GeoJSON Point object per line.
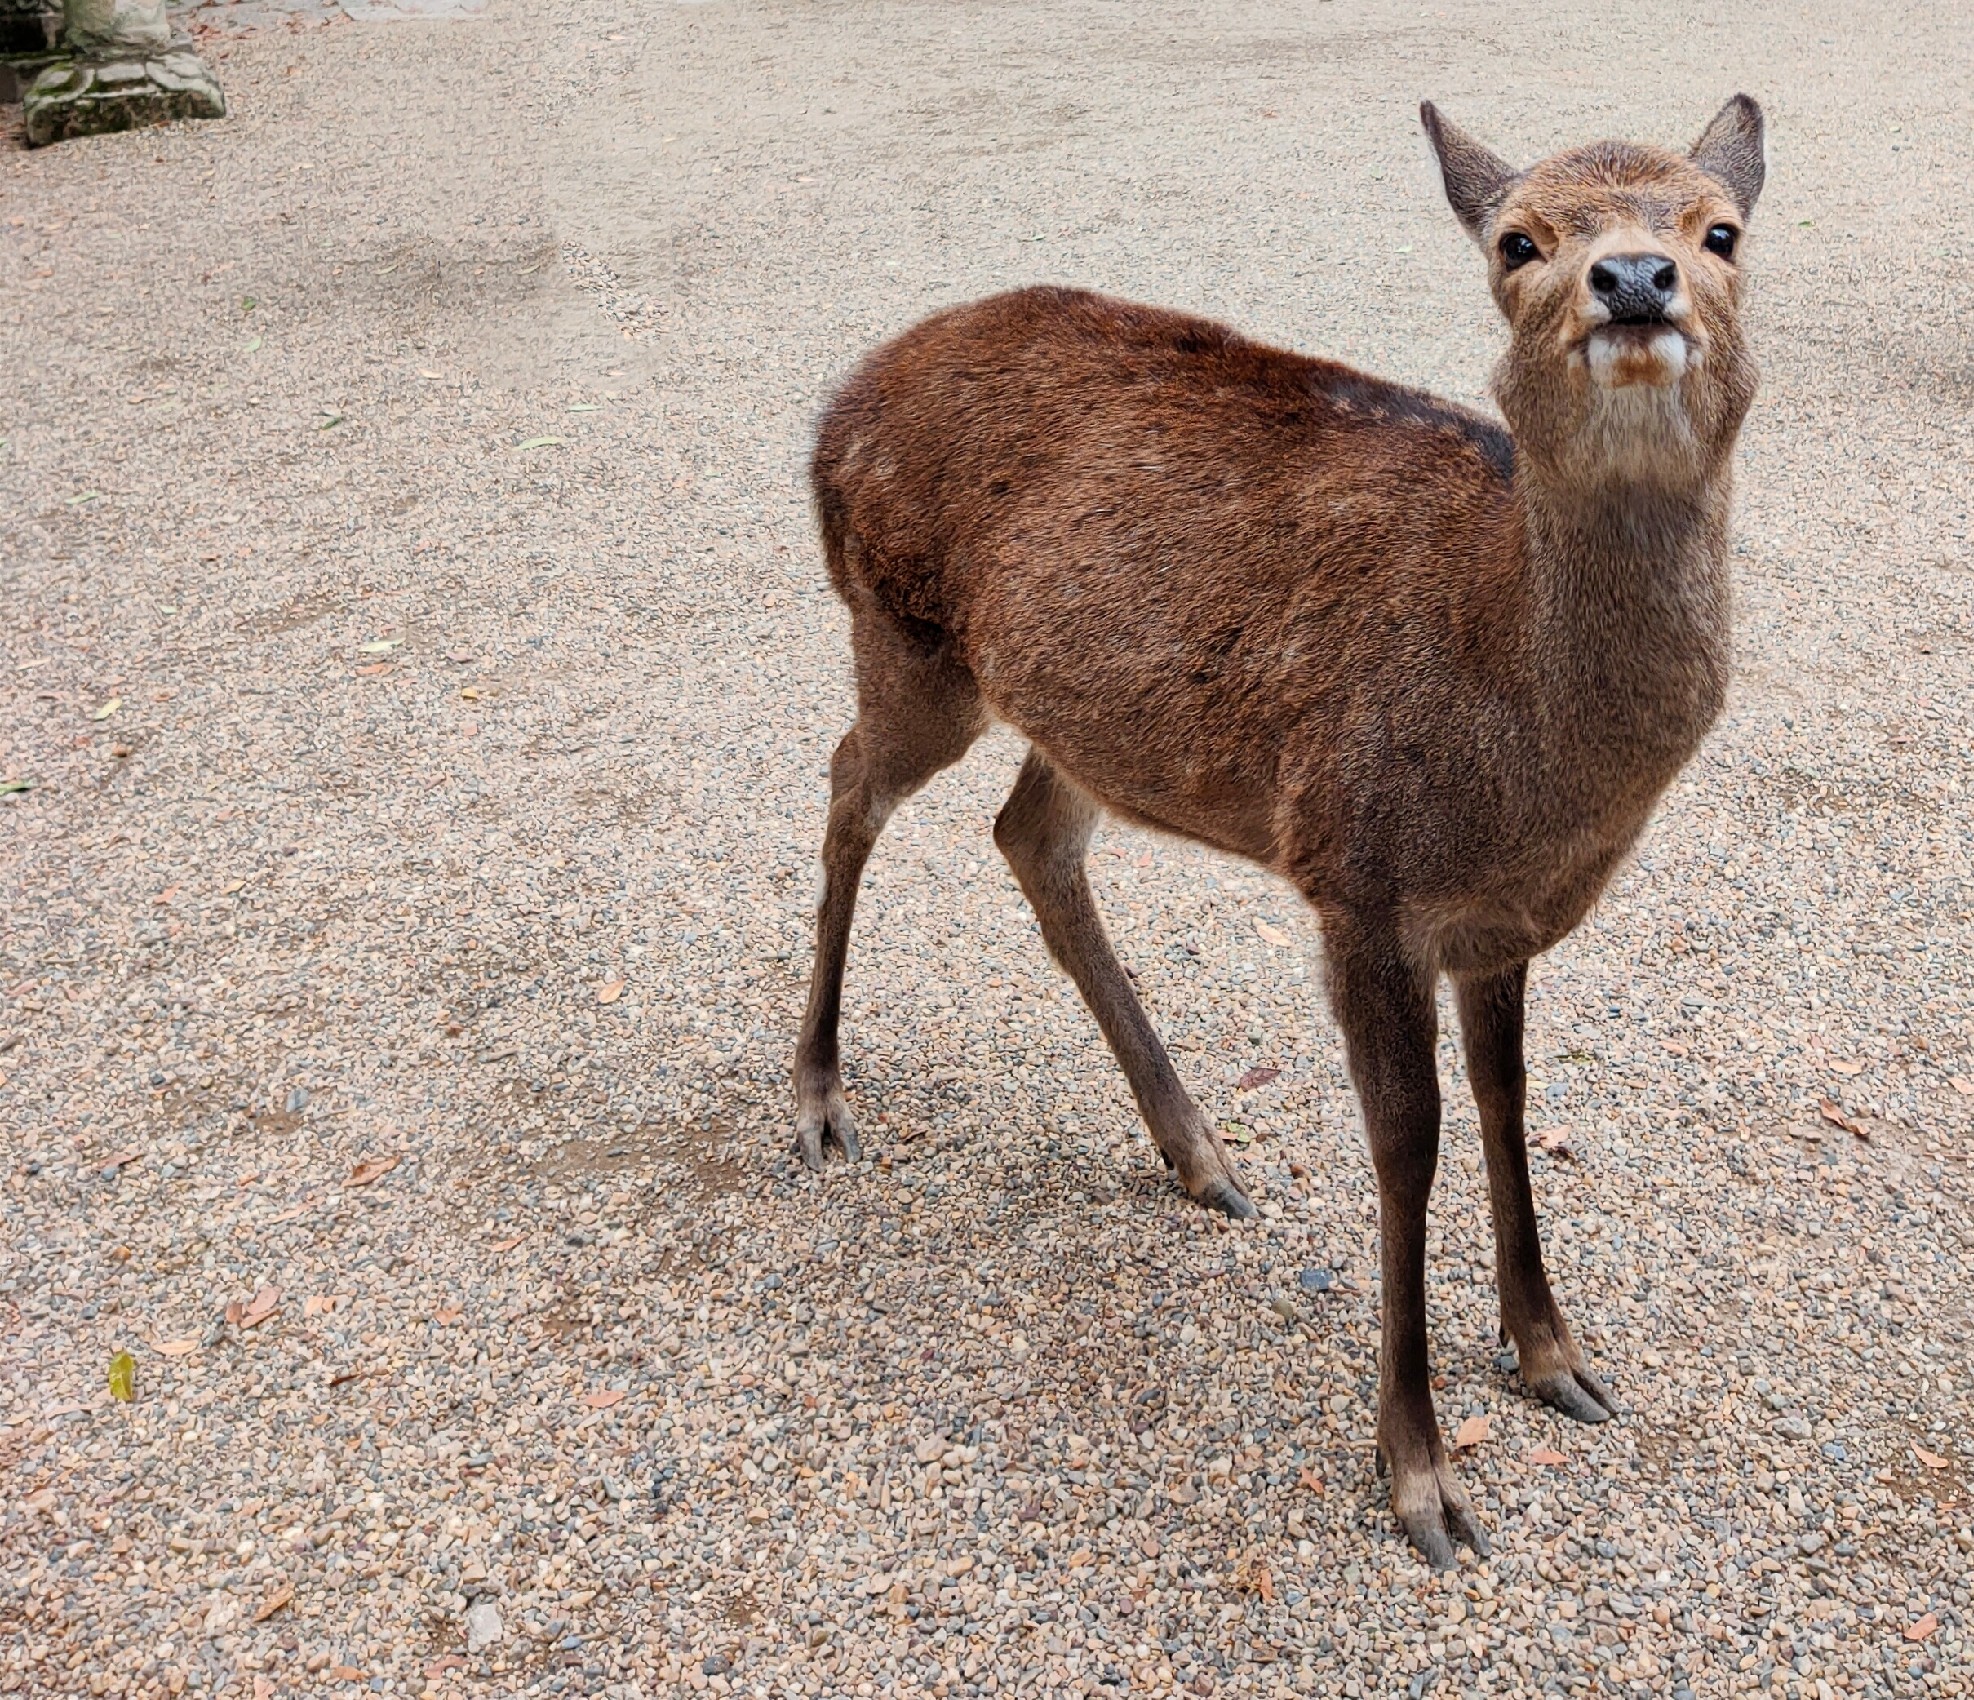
{"type": "Point", "coordinates": [1734, 153]}
{"type": "Point", "coordinates": [1477, 179]}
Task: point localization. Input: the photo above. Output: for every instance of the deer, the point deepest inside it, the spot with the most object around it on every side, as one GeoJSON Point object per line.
{"type": "Point", "coordinates": [1431, 669]}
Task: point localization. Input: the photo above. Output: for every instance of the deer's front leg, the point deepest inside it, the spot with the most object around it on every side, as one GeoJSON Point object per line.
{"type": "Point", "coordinates": [1385, 1006]}
{"type": "Point", "coordinates": [1552, 1364]}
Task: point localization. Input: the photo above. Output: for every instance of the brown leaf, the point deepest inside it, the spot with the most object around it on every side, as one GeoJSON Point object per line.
{"type": "Point", "coordinates": [446, 1315]}
{"type": "Point", "coordinates": [1964, 1087]}
{"type": "Point", "coordinates": [318, 1304]}
{"type": "Point", "coordinates": [610, 991]}
{"type": "Point", "coordinates": [1923, 1628]}
{"type": "Point", "coordinates": [174, 1348]}
{"type": "Point", "coordinates": [1308, 1478]}
{"type": "Point", "coordinates": [1834, 1115]}
{"type": "Point", "coordinates": [122, 1157]}
{"type": "Point", "coordinates": [1274, 935]}
{"type": "Point", "coordinates": [507, 1245]}
{"type": "Point", "coordinates": [1259, 1076]}
{"type": "Point", "coordinates": [1678, 1047]}
{"type": "Point", "coordinates": [1546, 1455]}
{"type": "Point", "coordinates": [274, 1602]}
{"type": "Point", "coordinates": [374, 1168]}
{"type": "Point", "coordinates": [1079, 1558]}
{"type": "Point", "coordinates": [373, 669]}
{"type": "Point", "coordinates": [1471, 1432]}
{"type": "Point", "coordinates": [263, 1306]}
{"type": "Point", "coordinates": [603, 1398]}
{"type": "Point", "coordinates": [1846, 1068]}
{"type": "Point", "coordinates": [1556, 1141]}
{"type": "Point", "coordinates": [235, 1309]}
{"type": "Point", "coordinates": [1932, 1460]}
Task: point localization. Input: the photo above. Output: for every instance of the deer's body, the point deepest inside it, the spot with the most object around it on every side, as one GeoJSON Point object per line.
{"type": "Point", "coordinates": [1433, 672]}
{"type": "Point", "coordinates": [1308, 629]}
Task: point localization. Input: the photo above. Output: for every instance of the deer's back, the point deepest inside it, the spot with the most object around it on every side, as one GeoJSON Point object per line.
{"type": "Point", "coordinates": [1162, 548]}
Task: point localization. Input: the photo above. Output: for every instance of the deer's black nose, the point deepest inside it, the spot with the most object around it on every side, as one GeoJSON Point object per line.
{"type": "Point", "coordinates": [1637, 288]}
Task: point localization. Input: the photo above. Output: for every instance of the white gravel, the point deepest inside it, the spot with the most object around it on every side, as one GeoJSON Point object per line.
{"type": "Point", "coordinates": [371, 749]}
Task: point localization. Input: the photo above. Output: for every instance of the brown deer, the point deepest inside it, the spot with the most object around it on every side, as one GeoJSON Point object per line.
{"type": "Point", "coordinates": [1433, 672]}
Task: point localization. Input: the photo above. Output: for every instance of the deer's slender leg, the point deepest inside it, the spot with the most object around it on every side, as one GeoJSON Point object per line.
{"type": "Point", "coordinates": [918, 712]}
{"type": "Point", "coordinates": [1552, 1364]}
{"type": "Point", "coordinates": [1384, 1004]}
{"type": "Point", "coordinates": [1044, 831]}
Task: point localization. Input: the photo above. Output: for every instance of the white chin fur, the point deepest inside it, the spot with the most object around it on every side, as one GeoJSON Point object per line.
{"type": "Point", "coordinates": [1620, 359]}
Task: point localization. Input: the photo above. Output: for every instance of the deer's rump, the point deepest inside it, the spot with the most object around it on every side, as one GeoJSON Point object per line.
{"type": "Point", "coordinates": [1157, 545]}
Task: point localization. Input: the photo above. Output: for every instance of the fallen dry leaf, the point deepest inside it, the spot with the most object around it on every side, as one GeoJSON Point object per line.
{"type": "Point", "coordinates": [1546, 1455]}
{"type": "Point", "coordinates": [1079, 1558]}
{"type": "Point", "coordinates": [1678, 1047]}
{"type": "Point", "coordinates": [345, 1673]}
{"type": "Point", "coordinates": [1923, 1628]}
{"type": "Point", "coordinates": [1472, 1431]}
{"type": "Point", "coordinates": [166, 895]}
{"type": "Point", "coordinates": [373, 669]}
{"type": "Point", "coordinates": [603, 1398]}
{"type": "Point", "coordinates": [318, 1304]}
{"type": "Point", "coordinates": [235, 1309]}
{"type": "Point", "coordinates": [1932, 1460]}
{"type": "Point", "coordinates": [118, 1161]}
{"type": "Point", "coordinates": [1846, 1068]}
{"type": "Point", "coordinates": [507, 1245]}
{"type": "Point", "coordinates": [446, 1315]}
{"type": "Point", "coordinates": [230, 887]}
{"type": "Point", "coordinates": [1964, 1087]}
{"type": "Point", "coordinates": [1274, 935]}
{"type": "Point", "coordinates": [1834, 1115]}
{"type": "Point", "coordinates": [264, 1305]}
{"type": "Point", "coordinates": [610, 991]}
{"type": "Point", "coordinates": [374, 1168]}
{"type": "Point", "coordinates": [1308, 1478]}
{"type": "Point", "coordinates": [1556, 1141]}
{"type": "Point", "coordinates": [174, 1348]}
{"type": "Point", "coordinates": [274, 1602]}
{"type": "Point", "coordinates": [1259, 1076]}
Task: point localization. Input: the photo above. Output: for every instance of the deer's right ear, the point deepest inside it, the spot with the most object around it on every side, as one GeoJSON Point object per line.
{"type": "Point", "coordinates": [1477, 179]}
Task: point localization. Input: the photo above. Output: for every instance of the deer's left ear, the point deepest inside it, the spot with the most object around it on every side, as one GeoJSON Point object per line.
{"type": "Point", "coordinates": [1734, 153]}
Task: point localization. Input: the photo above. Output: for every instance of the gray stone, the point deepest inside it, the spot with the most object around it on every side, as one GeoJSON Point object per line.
{"type": "Point", "coordinates": [483, 1626]}
{"type": "Point", "coordinates": [115, 29]}
{"type": "Point", "coordinates": [79, 96]}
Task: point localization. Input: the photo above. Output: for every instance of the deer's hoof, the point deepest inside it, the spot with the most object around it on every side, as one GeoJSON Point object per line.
{"type": "Point", "coordinates": [1228, 1199]}
{"type": "Point", "coordinates": [822, 1120]}
{"type": "Point", "coordinates": [1436, 1516]}
{"type": "Point", "coordinates": [1576, 1393]}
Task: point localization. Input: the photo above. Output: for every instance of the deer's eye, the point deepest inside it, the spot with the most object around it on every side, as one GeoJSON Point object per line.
{"type": "Point", "coordinates": [1517, 250]}
{"type": "Point", "coordinates": [1721, 240]}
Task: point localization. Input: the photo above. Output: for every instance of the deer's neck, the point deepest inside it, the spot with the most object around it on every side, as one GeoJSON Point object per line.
{"type": "Point", "coordinates": [1629, 629]}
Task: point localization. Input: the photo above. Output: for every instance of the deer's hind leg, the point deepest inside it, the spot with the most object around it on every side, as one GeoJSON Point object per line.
{"type": "Point", "coordinates": [918, 711]}
{"type": "Point", "coordinates": [1044, 831]}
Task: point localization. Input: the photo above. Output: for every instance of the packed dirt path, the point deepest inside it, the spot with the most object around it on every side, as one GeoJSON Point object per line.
{"type": "Point", "coordinates": [417, 682]}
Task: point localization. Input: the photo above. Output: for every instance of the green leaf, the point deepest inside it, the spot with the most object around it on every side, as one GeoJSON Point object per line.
{"type": "Point", "coordinates": [330, 422]}
{"type": "Point", "coordinates": [86, 496]}
{"type": "Point", "coordinates": [583, 407]}
{"type": "Point", "coordinates": [123, 1377]}
{"type": "Point", "coordinates": [13, 787]}
{"type": "Point", "coordinates": [254, 346]}
{"type": "Point", "coordinates": [380, 646]}
{"type": "Point", "coordinates": [537, 443]}
{"type": "Point", "coordinates": [108, 709]}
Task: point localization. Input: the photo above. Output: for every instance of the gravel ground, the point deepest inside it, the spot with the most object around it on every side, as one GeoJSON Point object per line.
{"type": "Point", "coordinates": [423, 676]}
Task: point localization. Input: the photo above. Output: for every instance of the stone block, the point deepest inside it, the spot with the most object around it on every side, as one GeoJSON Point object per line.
{"type": "Point", "coordinates": [90, 97]}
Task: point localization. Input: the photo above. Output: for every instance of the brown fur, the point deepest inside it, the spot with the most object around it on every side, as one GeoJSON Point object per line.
{"type": "Point", "coordinates": [1433, 672]}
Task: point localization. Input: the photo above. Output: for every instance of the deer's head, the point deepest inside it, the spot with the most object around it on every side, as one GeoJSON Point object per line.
{"type": "Point", "coordinates": [1617, 266]}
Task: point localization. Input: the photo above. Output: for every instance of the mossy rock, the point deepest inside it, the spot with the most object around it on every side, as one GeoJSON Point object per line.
{"type": "Point", "coordinates": [89, 97]}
